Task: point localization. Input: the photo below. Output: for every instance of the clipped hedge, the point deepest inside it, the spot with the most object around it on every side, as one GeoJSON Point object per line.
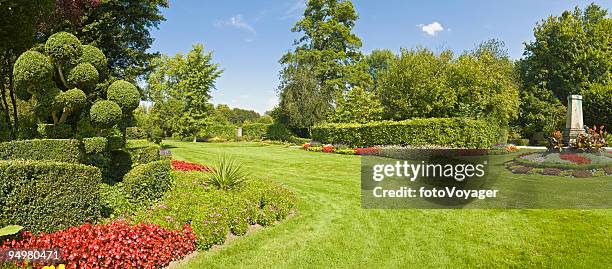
{"type": "Point", "coordinates": [46, 196]}
{"type": "Point", "coordinates": [60, 150]}
{"type": "Point", "coordinates": [148, 182]}
{"type": "Point", "coordinates": [95, 145]}
{"type": "Point", "coordinates": [452, 132]}
{"type": "Point", "coordinates": [217, 130]}
{"type": "Point", "coordinates": [50, 131]}
{"type": "Point", "coordinates": [135, 133]}
{"type": "Point", "coordinates": [255, 130]}
{"type": "Point", "coordinates": [142, 151]}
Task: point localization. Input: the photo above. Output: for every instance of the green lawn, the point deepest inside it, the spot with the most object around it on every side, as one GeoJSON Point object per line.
{"type": "Point", "coordinates": [332, 230]}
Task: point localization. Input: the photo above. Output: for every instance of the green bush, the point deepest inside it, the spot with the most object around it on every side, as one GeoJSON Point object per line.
{"type": "Point", "coordinates": [105, 114]}
{"type": "Point", "coordinates": [125, 94]}
{"type": "Point", "coordinates": [31, 68]}
{"type": "Point", "coordinates": [120, 164]}
{"type": "Point", "coordinates": [217, 130]}
{"type": "Point", "coordinates": [142, 151]}
{"type": "Point", "coordinates": [63, 47]}
{"type": "Point", "coordinates": [255, 130]}
{"type": "Point", "coordinates": [83, 76]}
{"type": "Point", "coordinates": [48, 196]}
{"type": "Point", "coordinates": [94, 145]}
{"type": "Point", "coordinates": [59, 131]}
{"type": "Point", "coordinates": [60, 150]}
{"type": "Point", "coordinates": [452, 132]}
{"type": "Point", "coordinates": [146, 183]}
{"type": "Point", "coordinates": [214, 213]}
{"type": "Point", "coordinates": [114, 201]}
{"type": "Point", "coordinates": [95, 57]}
{"type": "Point", "coordinates": [278, 131]}
{"type": "Point", "coordinates": [135, 133]}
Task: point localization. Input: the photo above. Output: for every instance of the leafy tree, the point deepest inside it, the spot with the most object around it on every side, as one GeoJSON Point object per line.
{"type": "Point", "coordinates": [182, 84]}
{"type": "Point", "coordinates": [120, 28]}
{"type": "Point", "coordinates": [416, 85]}
{"type": "Point", "coordinates": [240, 116]}
{"type": "Point", "coordinates": [358, 106]}
{"type": "Point", "coordinates": [597, 105]}
{"type": "Point", "coordinates": [330, 51]}
{"type": "Point", "coordinates": [569, 52]}
{"type": "Point", "coordinates": [379, 61]}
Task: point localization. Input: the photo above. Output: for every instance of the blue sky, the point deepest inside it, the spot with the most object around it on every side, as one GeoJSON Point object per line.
{"type": "Point", "coordinates": [249, 37]}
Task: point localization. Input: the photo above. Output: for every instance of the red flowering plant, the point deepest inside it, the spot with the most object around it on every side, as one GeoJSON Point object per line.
{"type": "Point", "coordinates": [187, 166]}
{"type": "Point", "coordinates": [328, 148]}
{"type": "Point", "coordinates": [366, 151]}
{"type": "Point", "coordinates": [575, 158]}
{"type": "Point", "coordinates": [306, 145]}
{"type": "Point", "coordinates": [113, 245]}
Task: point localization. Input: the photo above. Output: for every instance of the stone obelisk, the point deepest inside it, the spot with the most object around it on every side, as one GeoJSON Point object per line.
{"type": "Point", "coordinates": [574, 123]}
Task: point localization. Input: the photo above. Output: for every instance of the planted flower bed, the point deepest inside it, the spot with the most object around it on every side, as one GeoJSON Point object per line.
{"type": "Point", "coordinates": [578, 165]}
{"type": "Point", "coordinates": [188, 166]}
{"type": "Point", "coordinates": [114, 245]}
{"type": "Point", "coordinates": [341, 149]}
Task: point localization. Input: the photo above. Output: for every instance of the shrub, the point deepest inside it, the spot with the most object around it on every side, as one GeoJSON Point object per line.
{"type": "Point", "coordinates": [31, 68]}
{"type": "Point", "coordinates": [50, 131]}
{"type": "Point", "coordinates": [597, 105]}
{"type": "Point", "coordinates": [254, 130]}
{"type": "Point", "coordinates": [226, 174]}
{"type": "Point", "coordinates": [142, 151]}
{"type": "Point", "coordinates": [113, 245]}
{"type": "Point", "coordinates": [105, 114]}
{"type": "Point", "coordinates": [278, 131]}
{"type": "Point", "coordinates": [48, 196]}
{"type": "Point", "coordinates": [95, 57]}
{"type": "Point", "coordinates": [60, 150]}
{"type": "Point", "coordinates": [120, 164]}
{"type": "Point", "coordinates": [94, 145]}
{"type": "Point", "coordinates": [135, 133]}
{"type": "Point", "coordinates": [125, 94]}
{"type": "Point", "coordinates": [146, 183]}
{"type": "Point", "coordinates": [217, 130]}
{"type": "Point", "coordinates": [70, 100]}
{"type": "Point", "coordinates": [62, 47]}
{"type": "Point", "coordinates": [453, 132]}
{"type": "Point", "coordinates": [114, 202]}
{"type": "Point", "coordinates": [83, 76]}
{"type": "Point", "coordinates": [214, 213]}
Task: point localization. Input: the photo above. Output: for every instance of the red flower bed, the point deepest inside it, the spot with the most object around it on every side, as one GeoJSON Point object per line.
{"type": "Point", "coordinates": [574, 158]}
{"type": "Point", "coordinates": [187, 166]}
{"type": "Point", "coordinates": [114, 245]}
{"type": "Point", "coordinates": [306, 146]}
{"type": "Point", "coordinates": [328, 148]}
{"type": "Point", "coordinates": [366, 151]}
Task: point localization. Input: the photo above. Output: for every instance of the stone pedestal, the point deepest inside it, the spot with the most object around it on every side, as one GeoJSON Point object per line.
{"type": "Point", "coordinates": [574, 123]}
{"type": "Point", "coordinates": [239, 132]}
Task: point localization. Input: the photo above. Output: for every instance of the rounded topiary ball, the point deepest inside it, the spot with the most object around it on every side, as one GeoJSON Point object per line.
{"type": "Point", "coordinates": [63, 48]}
{"type": "Point", "coordinates": [72, 99]}
{"type": "Point", "coordinates": [32, 69]}
{"type": "Point", "coordinates": [95, 57]}
{"type": "Point", "coordinates": [83, 76]}
{"type": "Point", "coordinates": [105, 114]}
{"type": "Point", "coordinates": [125, 94]}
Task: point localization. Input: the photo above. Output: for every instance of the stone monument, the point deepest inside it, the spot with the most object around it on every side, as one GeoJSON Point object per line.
{"type": "Point", "coordinates": [573, 124]}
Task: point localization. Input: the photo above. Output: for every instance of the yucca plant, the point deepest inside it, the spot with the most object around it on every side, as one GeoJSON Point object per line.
{"type": "Point", "coordinates": [226, 174]}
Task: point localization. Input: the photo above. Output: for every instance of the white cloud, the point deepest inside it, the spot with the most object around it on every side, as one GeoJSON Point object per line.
{"type": "Point", "coordinates": [295, 10]}
{"type": "Point", "coordinates": [237, 22]}
{"type": "Point", "coordinates": [431, 29]}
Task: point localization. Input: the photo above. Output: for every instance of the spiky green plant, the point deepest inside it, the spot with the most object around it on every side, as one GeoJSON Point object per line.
{"type": "Point", "coordinates": [227, 174]}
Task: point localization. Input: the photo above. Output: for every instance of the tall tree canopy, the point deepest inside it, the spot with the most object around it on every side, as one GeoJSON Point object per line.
{"type": "Point", "coordinates": [330, 51]}
{"type": "Point", "coordinates": [180, 88]}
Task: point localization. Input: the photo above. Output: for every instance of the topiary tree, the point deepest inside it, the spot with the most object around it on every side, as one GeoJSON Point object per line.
{"type": "Point", "coordinates": [66, 79]}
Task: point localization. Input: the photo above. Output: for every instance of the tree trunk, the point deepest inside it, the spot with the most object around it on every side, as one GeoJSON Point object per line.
{"type": "Point", "coordinates": [13, 99]}
{"type": "Point", "coordinates": [195, 138]}
{"type": "Point", "coordinates": [7, 116]}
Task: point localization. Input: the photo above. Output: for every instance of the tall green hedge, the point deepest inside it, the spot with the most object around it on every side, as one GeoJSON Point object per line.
{"type": "Point", "coordinates": [453, 132]}
{"type": "Point", "coordinates": [146, 183]}
{"type": "Point", "coordinates": [218, 130]}
{"type": "Point", "coordinates": [255, 130]}
{"type": "Point", "coordinates": [48, 196]}
{"type": "Point", "coordinates": [60, 150]}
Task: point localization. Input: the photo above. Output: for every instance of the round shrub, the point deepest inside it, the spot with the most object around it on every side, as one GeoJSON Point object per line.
{"type": "Point", "coordinates": [22, 93]}
{"type": "Point", "coordinates": [95, 57]}
{"type": "Point", "coordinates": [63, 48]}
{"type": "Point", "coordinates": [84, 76]}
{"type": "Point", "coordinates": [72, 99]}
{"type": "Point", "coordinates": [146, 183]}
{"type": "Point", "coordinates": [124, 94]}
{"type": "Point", "coordinates": [31, 68]}
{"type": "Point", "coordinates": [105, 114]}
{"type": "Point", "coordinates": [598, 105]}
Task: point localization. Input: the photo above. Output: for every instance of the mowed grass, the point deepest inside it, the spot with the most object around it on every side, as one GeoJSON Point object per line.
{"type": "Point", "coordinates": [331, 230]}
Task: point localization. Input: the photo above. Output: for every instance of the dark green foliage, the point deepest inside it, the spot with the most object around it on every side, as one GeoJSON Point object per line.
{"type": "Point", "coordinates": [63, 48]}
{"type": "Point", "coordinates": [95, 57]}
{"type": "Point", "coordinates": [120, 164]}
{"type": "Point", "coordinates": [135, 133]}
{"type": "Point", "coordinates": [125, 94]}
{"type": "Point", "coordinates": [142, 151]}
{"type": "Point", "coordinates": [597, 105]}
{"type": "Point", "coordinates": [254, 130]}
{"type": "Point", "coordinates": [148, 182]}
{"type": "Point", "coordinates": [105, 114]}
{"type": "Point", "coordinates": [83, 76]}
{"type": "Point", "coordinates": [60, 150]}
{"type": "Point", "coordinates": [115, 142]}
{"type": "Point", "coordinates": [94, 145]}
{"type": "Point", "coordinates": [48, 196]}
{"type": "Point", "coordinates": [114, 201]}
{"type": "Point", "coordinates": [32, 68]}
{"type": "Point", "coordinates": [453, 132]}
{"type": "Point", "coordinates": [280, 132]}
{"type": "Point", "coordinates": [70, 100]}
{"type": "Point", "coordinates": [50, 131]}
